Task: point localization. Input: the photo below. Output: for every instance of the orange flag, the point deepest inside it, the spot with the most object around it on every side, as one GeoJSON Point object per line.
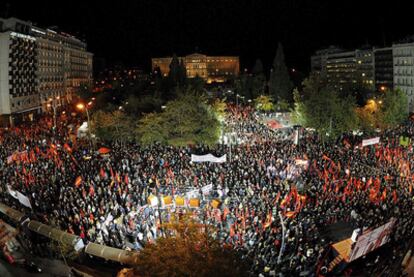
{"type": "Point", "coordinates": [78, 181]}
{"type": "Point", "coordinates": [290, 214]}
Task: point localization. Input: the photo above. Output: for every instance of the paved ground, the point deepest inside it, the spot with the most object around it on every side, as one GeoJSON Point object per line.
{"type": "Point", "coordinates": [51, 268]}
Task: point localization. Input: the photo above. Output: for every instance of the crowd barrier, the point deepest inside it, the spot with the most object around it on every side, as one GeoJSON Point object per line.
{"type": "Point", "coordinates": [94, 249]}
{"type": "Point", "coordinates": [12, 213]}
{"type": "Point", "coordinates": [110, 253]}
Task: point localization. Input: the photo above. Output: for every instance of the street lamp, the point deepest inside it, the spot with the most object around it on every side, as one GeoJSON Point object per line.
{"type": "Point", "coordinates": [81, 107]}
{"type": "Point", "coordinates": [52, 104]}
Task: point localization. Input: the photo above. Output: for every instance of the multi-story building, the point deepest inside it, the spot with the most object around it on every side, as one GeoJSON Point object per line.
{"type": "Point", "coordinates": [384, 69]}
{"type": "Point", "coordinates": [38, 67]}
{"type": "Point", "coordinates": [318, 61]}
{"type": "Point", "coordinates": [350, 68]}
{"type": "Point", "coordinates": [210, 68]}
{"type": "Point", "coordinates": [403, 59]}
{"type": "Point", "coordinates": [119, 76]}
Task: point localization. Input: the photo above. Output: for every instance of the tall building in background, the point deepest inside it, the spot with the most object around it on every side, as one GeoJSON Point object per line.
{"type": "Point", "coordinates": [350, 68]}
{"type": "Point", "coordinates": [384, 69]}
{"type": "Point", "coordinates": [38, 68]}
{"type": "Point", "coordinates": [318, 60]}
{"type": "Point", "coordinates": [210, 68]}
{"type": "Point", "coordinates": [403, 60]}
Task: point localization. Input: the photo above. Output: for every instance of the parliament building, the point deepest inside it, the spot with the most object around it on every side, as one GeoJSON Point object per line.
{"type": "Point", "coordinates": [210, 68]}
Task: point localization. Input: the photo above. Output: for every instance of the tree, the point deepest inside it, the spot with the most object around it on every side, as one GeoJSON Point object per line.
{"type": "Point", "coordinates": [112, 126]}
{"type": "Point", "coordinates": [264, 103]}
{"type": "Point", "coordinates": [191, 121]}
{"type": "Point", "coordinates": [151, 129]}
{"type": "Point", "coordinates": [188, 249]}
{"type": "Point", "coordinates": [367, 120]}
{"type": "Point", "coordinates": [178, 72]}
{"type": "Point", "coordinates": [186, 120]}
{"type": "Point", "coordinates": [195, 84]}
{"type": "Point", "coordinates": [280, 85]}
{"type": "Point", "coordinates": [258, 67]}
{"type": "Point", "coordinates": [326, 112]}
{"type": "Point", "coordinates": [258, 82]}
{"type": "Point", "coordinates": [243, 86]}
{"type": "Point", "coordinates": [219, 107]}
{"type": "Point", "coordinates": [394, 108]}
{"type": "Point", "coordinates": [136, 106]}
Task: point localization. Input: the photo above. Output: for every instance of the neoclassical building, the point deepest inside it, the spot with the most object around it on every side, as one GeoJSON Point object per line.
{"type": "Point", "coordinates": [210, 68]}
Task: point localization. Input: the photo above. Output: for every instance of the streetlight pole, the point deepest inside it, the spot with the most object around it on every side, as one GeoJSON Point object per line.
{"type": "Point", "coordinates": [82, 107]}
{"type": "Point", "coordinates": [282, 248]}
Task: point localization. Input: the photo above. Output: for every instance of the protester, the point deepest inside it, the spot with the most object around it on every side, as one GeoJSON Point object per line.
{"type": "Point", "coordinates": [103, 198]}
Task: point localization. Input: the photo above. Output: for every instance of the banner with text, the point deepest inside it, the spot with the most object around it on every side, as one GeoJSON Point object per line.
{"type": "Point", "coordinates": [371, 141]}
{"type": "Point", "coordinates": [208, 158]}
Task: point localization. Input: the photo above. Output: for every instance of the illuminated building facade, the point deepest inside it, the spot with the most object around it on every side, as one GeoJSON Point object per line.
{"type": "Point", "coordinates": [403, 60]}
{"type": "Point", "coordinates": [38, 67]}
{"type": "Point", "coordinates": [350, 68]}
{"type": "Point", "coordinates": [210, 68]}
{"type": "Point", "coordinates": [318, 60]}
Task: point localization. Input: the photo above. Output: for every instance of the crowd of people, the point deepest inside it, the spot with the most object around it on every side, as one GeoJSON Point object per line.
{"type": "Point", "coordinates": [266, 179]}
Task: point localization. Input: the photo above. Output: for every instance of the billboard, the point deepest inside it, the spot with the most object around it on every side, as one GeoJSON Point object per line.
{"type": "Point", "coordinates": [371, 240]}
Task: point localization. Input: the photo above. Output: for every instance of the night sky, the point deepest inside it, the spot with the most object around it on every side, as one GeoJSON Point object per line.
{"type": "Point", "coordinates": [131, 32]}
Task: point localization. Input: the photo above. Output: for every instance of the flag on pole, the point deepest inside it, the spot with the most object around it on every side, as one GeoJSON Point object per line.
{"type": "Point", "coordinates": [78, 181]}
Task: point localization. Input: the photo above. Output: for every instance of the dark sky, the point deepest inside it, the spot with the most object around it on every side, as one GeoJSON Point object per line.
{"type": "Point", "coordinates": [134, 31]}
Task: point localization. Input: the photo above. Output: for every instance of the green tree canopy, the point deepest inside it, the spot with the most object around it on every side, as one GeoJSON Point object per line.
{"type": "Point", "coordinates": [151, 129]}
{"type": "Point", "coordinates": [186, 120]}
{"type": "Point", "coordinates": [112, 126]}
{"type": "Point", "coordinates": [264, 103]}
{"type": "Point", "coordinates": [394, 108]}
{"type": "Point", "coordinates": [326, 112]}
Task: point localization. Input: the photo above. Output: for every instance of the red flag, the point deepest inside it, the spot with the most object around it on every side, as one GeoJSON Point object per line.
{"type": "Point", "coordinates": [78, 181]}
{"type": "Point", "coordinates": [104, 150]}
{"type": "Point", "coordinates": [384, 195]}
{"type": "Point", "coordinates": [290, 214]}
{"type": "Point", "coordinates": [67, 148]}
{"type": "Point", "coordinates": [276, 201]}
{"type": "Point", "coordinates": [91, 191]}
{"type": "Point", "coordinates": [102, 173]}
{"type": "Point", "coordinates": [394, 196]}
{"type": "Point", "coordinates": [326, 157]}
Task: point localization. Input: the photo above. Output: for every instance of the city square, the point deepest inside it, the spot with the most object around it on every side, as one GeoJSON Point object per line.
{"type": "Point", "coordinates": [144, 151]}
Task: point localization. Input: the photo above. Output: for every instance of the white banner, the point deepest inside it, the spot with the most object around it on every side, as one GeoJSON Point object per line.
{"type": "Point", "coordinates": [12, 192]}
{"type": "Point", "coordinates": [192, 194]}
{"type": "Point", "coordinates": [302, 162]}
{"type": "Point", "coordinates": [79, 245]}
{"type": "Point", "coordinates": [206, 189]}
{"type": "Point", "coordinates": [371, 240]}
{"type": "Point", "coordinates": [23, 200]}
{"type": "Point", "coordinates": [371, 141]}
{"type": "Point", "coordinates": [208, 158]}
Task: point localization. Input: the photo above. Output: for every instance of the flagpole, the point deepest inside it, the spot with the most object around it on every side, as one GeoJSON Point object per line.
{"type": "Point", "coordinates": [282, 248]}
